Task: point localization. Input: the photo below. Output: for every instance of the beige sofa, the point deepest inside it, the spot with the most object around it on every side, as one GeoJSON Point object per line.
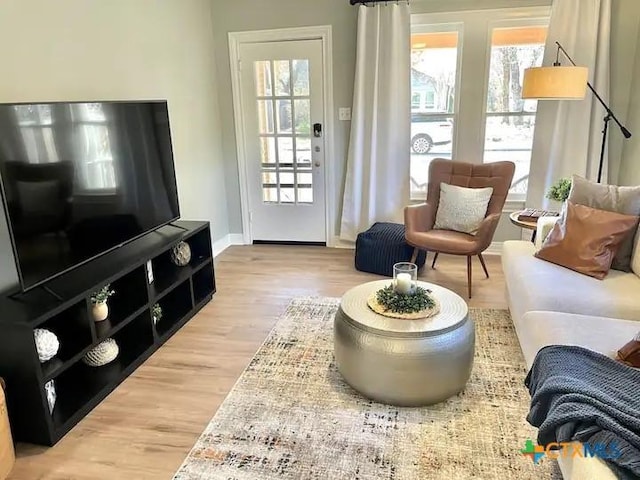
{"type": "Point", "coordinates": [552, 305]}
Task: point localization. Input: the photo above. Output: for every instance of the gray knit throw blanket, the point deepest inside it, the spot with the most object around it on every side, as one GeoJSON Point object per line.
{"type": "Point", "coordinates": [581, 395]}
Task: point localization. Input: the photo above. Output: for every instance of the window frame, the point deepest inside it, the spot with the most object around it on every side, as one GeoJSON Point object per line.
{"type": "Point", "coordinates": [474, 55]}
{"type": "Point", "coordinates": [444, 27]}
{"type": "Point", "coordinates": [530, 21]}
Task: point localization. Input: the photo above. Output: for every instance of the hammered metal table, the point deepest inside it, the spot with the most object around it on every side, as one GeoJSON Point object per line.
{"type": "Point", "coordinates": [404, 362]}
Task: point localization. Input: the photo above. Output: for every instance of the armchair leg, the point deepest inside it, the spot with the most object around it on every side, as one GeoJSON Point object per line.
{"type": "Point", "coordinates": [469, 274]}
{"type": "Point", "coordinates": [435, 258]}
{"type": "Point", "coordinates": [484, 266]}
{"type": "Point", "coordinates": [414, 257]}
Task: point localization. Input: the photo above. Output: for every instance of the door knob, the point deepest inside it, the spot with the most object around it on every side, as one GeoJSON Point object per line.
{"type": "Point", "coordinates": [316, 163]}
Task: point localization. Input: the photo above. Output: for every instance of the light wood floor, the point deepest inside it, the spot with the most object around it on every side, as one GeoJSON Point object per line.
{"type": "Point", "coordinates": [146, 427]}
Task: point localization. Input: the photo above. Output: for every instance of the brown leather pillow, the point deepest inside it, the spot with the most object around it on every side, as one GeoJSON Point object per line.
{"type": "Point", "coordinates": [630, 353]}
{"type": "Point", "coordinates": [587, 240]}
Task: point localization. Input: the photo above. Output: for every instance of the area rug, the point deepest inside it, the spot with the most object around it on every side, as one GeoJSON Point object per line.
{"type": "Point", "coordinates": [291, 416]}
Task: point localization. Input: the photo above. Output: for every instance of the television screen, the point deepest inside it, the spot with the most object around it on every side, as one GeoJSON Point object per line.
{"type": "Point", "coordinates": [79, 179]}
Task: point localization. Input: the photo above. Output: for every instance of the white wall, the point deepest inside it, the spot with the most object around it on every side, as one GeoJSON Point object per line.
{"type": "Point", "coordinates": [243, 15]}
{"type": "Point", "coordinates": [630, 167]}
{"type": "Point", "coordinates": [124, 49]}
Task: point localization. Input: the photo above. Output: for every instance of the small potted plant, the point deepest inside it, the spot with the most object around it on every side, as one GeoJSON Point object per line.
{"type": "Point", "coordinates": [99, 299]}
{"type": "Point", "coordinates": [156, 313]}
{"type": "Point", "coordinates": [559, 191]}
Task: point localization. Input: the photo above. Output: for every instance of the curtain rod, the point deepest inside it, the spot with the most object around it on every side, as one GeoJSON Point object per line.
{"type": "Point", "coordinates": [365, 2]}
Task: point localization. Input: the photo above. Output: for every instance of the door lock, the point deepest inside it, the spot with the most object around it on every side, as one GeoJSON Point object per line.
{"type": "Point", "coordinates": [317, 130]}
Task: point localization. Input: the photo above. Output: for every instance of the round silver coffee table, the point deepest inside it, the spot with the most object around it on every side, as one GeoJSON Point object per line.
{"type": "Point", "coordinates": [404, 362]}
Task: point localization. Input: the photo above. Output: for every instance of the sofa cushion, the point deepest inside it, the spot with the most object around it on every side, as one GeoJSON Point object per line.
{"type": "Point", "coordinates": [534, 284]}
{"type": "Point", "coordinates": [625, 200]}
{"type": "Point", "coordinates": [462, 209]}
{"type": "Point", "coordinates": [587, 239]}
{"type": "Point", "coordinates": [539, 329]}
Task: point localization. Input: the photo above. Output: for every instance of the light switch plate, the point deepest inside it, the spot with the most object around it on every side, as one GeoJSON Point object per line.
{"type": "Point", "coordinates": [344, 114]}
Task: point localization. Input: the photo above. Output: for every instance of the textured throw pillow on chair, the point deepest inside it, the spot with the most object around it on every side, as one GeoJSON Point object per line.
{"type": "Point", "coordinates": [587, 239]}
{"type": "Point", "coordinates": [462, 209]}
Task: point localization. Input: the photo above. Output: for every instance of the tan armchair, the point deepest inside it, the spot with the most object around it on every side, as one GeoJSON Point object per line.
{"type": "Point", "coordinates": [419, 219]}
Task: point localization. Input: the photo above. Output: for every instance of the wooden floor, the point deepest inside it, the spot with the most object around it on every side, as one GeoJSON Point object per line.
{"type": "Point", "coordinates": [146, 427]}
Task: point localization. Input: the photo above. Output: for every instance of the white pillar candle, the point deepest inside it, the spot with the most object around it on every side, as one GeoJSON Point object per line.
{"type": "Point", "coordinates": [403, 283]}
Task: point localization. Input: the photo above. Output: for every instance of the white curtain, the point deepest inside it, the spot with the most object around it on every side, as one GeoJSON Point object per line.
{"type": "Point", "coordinates": [377, 181]}
{"type": "Point", "coordinates": [568, 134]}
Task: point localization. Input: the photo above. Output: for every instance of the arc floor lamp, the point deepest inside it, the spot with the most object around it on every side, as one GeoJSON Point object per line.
{"type": "Point", "coordinates": [567, 83]}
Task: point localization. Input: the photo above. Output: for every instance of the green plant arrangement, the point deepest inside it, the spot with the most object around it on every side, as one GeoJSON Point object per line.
{"type": "Point", "coordinates": [403, 303]}
{"type": "Point", "coordinates": [156, 312]}
{"type": "Point", "coordinates": [102, 295]}
{"type": "Point", "coordinates": [559, 191]}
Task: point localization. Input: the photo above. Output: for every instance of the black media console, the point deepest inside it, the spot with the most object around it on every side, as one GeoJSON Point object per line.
{"type": "Point", "coordinates": [180, 291]}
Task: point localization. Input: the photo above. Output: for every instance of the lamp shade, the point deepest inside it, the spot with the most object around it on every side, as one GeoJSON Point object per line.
{"type": "Point", "coordinates": [555, 83]}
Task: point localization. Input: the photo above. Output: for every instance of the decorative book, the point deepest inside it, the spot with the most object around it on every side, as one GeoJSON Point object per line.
{"type": "Point", "coordinates": [533, 214]}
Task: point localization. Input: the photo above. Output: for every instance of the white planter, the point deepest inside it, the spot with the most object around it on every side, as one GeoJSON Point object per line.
{"type": "Point", "coordinates": [100, 311]}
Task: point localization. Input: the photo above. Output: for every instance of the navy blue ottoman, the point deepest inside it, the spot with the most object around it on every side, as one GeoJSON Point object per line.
{"type": "Point", "coordinates": [382, 246]}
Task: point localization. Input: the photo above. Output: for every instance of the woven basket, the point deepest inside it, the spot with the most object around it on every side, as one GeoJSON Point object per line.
{"type": "Point", "coordinates": [103, 353]}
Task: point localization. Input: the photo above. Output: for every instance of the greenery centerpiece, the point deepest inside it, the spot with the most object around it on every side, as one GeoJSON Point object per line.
{"type": "Point", "coordinates": [559, 191]}
{"type": "Point", "coordinates": [99, 299]}
{"type": "Point", "coordinates": [410, 306]}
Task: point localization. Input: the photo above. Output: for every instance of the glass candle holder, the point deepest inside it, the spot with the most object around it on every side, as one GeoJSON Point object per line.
{"type": "Point", "coordinates": [405, 278]}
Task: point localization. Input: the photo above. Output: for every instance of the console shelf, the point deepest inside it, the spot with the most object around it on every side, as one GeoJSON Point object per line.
{"type": "Point", "coordinates": [180, 291]}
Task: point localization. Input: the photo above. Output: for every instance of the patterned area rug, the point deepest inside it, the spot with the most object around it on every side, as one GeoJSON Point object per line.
{"type": "Point", "coordinates": [291, 416]}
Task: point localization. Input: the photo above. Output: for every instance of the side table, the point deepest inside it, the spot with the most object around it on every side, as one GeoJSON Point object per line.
{"type": "Point", "coordinates": [527, 225]}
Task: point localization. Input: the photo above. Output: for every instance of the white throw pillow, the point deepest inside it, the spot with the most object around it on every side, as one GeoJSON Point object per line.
{"type": "Point", "coordinates": [462, 209]}
{"type": "Point", "coordinates": [635, 256]}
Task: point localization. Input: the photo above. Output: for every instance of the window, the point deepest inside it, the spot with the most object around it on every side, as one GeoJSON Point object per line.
{"type": "Point", "coordinates": [284, 123]}
{"type": "Point", "coordinates": [511, 120]}
{"type": "Point", "coordinates": [36, 127]}
{"type": "Point", "coordinates": [466, 77]}
{"type": "Point", "coordinates": [434, 69]}
{"type": "Point", "coordinates": [78, 132]}
{"type": "Point", "coordinates": [96, 171]}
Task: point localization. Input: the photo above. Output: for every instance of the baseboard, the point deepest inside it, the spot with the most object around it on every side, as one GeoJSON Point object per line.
{"type": "Point", "coordinates": [225, 242]}
{"type": "Point", "coordinates": [237, 239]}
{"type": "Point", "coordinates": [339, 243]}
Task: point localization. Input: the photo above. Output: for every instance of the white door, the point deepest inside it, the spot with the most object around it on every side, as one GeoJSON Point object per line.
{"type": "Point", "coordinates": [282, 111]}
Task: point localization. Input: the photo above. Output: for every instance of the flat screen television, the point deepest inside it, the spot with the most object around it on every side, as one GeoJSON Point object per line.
{"type": "Point", "coordinates": [82, 178]}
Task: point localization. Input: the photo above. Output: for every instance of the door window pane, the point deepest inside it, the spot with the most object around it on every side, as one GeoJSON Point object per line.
{"type": "Point", "coordinates": [285, 150]}
{"type": "Point", "coordinates": [282, 77]}
{"type": "Point", "coordinates": [287, 179]}
{"type": "Point", "coordinates": [434, 60]}
{"type": "Point", "coordinates": [303, 151]}
{"type": "Point", "coordinates": [300, 77]}
{"type": "Point", "coordinates": [510, 119]}
{"type": "Point", "coordinates": [303, 117]}
{"type": "Point", "coordinates": [263, 79]}
{"type": "Point", "coordinates": [269, 179]}
{"type": "Point", "coordinates": [305, 195]}
{"type": "Point", "coordinates": [265, 116]}
{"type": "Point", "coordinates": [287, 195]}
{"type": "Point", "coordinates": [284, 115]}
{"type": "Point", "coordinates": [270, 195]}
{"type": "Point", "coordinates": [268, 150]}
